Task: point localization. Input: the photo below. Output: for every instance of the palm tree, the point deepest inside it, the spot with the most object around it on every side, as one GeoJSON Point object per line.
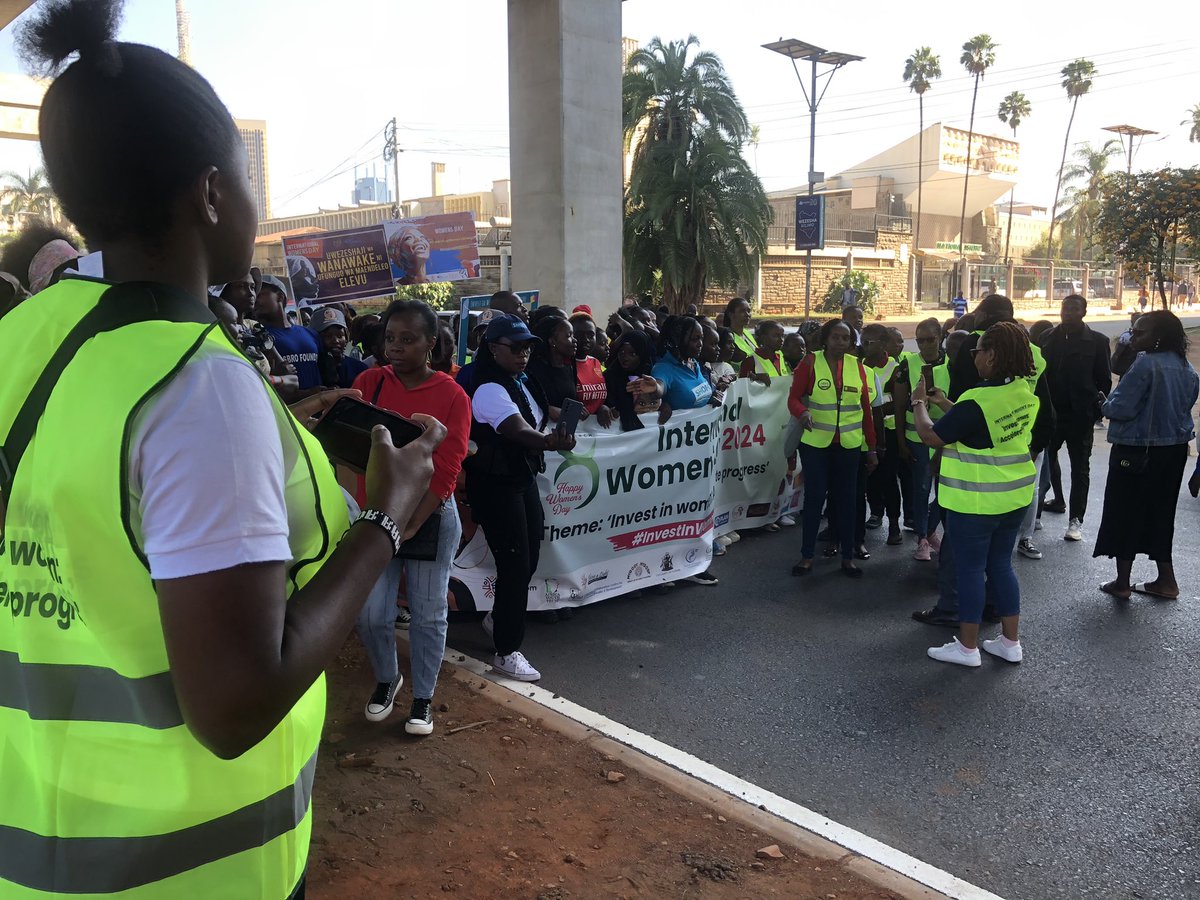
{"type": "Point", "coordinates": [977, 57]}
{"type": "Point", "coordinates": [755, 136]}
{"type": "Point", "coordinates": [694, 210]}
{"type": "Point", "coordinates": [919, 71]}
{"type": "Point", "coordinates": [1077, 81]}
{"type": "Point", "coordinates": [1014, 109]}
{"type": "Point", "coordinates": [27, 195]}
{"type": "Point", "coordinates": [1084, 181]}
{"type": "Point", "coordinates": [1194, 121]}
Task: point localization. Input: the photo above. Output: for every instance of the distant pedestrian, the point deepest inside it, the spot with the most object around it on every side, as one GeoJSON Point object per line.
{"type": "Point", "coordinates": [1150, 416]}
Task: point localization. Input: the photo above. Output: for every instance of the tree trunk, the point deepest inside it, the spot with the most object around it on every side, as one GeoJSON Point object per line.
{"type": "Point", "coordinates": [962, 219]}
{"type": "Point", "coordinates": [1058, 187]}
{"type": "Point", "coordinates": [920, 179]}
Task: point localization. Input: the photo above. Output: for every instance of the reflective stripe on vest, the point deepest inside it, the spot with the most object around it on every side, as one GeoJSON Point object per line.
{"type": "Point", "coordinates": [941, 379]}
{"type": "Point", "coordinates": [767, 366]}
{"type": "Point", "coordinates": [104, 789]}
{"type": "Point", "coordinates": [885, 372]}
{"type": "Point", "coordinates": [832, 413]}
{"type": "Point", "coordinates": [1001, 478]}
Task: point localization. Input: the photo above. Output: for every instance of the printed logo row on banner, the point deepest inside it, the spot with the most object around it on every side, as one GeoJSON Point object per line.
{"type": "Point", "coordinates": [627, 511]}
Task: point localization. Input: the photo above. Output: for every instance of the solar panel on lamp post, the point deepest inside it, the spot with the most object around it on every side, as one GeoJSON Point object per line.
{"type": "Point", "coordinates": [818, 56]}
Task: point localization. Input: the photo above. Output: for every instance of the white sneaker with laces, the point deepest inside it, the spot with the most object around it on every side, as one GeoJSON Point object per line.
{"type": "Point", "coordinates": [1074, 531]}
{"type": "Point", "coordinates": [997, 647]}
{"type": "Point", "coordinates": [924, 551]}
{"type": "Point", "coordinates": [786, 521]}
{"type": "Point", "coordinates": [515, 666]}
{"type": "Point", "coordinates": [379, 707]}
{"type": "Point", "coordinates": [956, 653]}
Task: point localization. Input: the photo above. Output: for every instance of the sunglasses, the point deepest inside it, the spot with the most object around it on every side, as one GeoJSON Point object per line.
{"type": "Point", "coordinates": [517, 349]}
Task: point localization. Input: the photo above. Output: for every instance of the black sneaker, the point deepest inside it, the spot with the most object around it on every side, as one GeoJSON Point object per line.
{"type": "Point", "coordinates": [1055, 506]}
{"type": "Point", "coordinates": [420, 717]}
{"type": "Point", "coordinates": [706, 578]}
{"type": "Point", "coordinates": [379, 707]}
{"type": "Point", "coordinates": [403, 617]}
{"type": "Point", "coordinates": [935, 616]}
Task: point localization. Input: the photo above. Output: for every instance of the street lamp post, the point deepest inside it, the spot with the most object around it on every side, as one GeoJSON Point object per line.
{"type": "Point", "coordinates": [818, 56]}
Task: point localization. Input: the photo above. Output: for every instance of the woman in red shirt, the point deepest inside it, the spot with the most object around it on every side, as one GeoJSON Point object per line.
{"type": "Point", "coordinates": [589, 372]}
{"type": "Point", "coordinates": [407, 384]}
{"type": "Point", "coordinates": [831, 469]}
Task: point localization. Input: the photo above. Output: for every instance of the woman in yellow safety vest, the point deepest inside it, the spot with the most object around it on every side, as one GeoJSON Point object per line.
{"type": "Point", "coordinates": [181, 565]}
{"type": "Point", "coordinates": [766, 362]}
{"type": "Point", "coordinates": [986, 481]}
{"type": "Point", "coordinates": [830, 400]}
{"type": "Point", "coordinates": [737, 319]}
{"type": "Point", "coordinates": [927, 366]}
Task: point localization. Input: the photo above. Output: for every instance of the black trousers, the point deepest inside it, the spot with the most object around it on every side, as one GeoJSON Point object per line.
{"type": "Point", "coordinates": [512, 522]}
{"type": "Point", "coordinates": [1078, 437]}
{"type": "Point", "coordinates": [883, 485]}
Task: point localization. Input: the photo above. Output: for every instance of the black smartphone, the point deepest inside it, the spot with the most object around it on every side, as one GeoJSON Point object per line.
{"type": "Point", "coordinates": [568, 419]}
{"type": "Point", "coordinates": [345, 431]}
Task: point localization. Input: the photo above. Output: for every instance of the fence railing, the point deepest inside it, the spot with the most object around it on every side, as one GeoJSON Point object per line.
{"type": "Point", "coordinates": [845, 229]}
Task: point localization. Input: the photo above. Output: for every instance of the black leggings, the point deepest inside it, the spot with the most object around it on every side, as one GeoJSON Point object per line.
{"type": "Point", "coordinates": [512, 520]}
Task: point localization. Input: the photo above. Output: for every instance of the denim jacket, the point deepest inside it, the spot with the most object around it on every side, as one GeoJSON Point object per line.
{"type": "Point", "coordinates": [1152, 406]}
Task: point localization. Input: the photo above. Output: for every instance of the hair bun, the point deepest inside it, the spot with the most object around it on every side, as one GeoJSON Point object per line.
{"type": "Point", "coordinates": [59, 28]}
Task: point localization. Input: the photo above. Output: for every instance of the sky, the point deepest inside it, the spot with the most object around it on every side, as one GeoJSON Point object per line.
{"type": "Point", "coordinates": [328, 77]}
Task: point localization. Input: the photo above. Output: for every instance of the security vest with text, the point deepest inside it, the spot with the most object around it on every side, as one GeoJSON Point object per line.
{"type": "Point", "coordinates": [1000, 478]}
{"type": "Point", "coordinates": [105, 790]}
{"type": "Point", "coordinates": [835, 411]}
{"type": "Point", "coordinates": [941, 380]}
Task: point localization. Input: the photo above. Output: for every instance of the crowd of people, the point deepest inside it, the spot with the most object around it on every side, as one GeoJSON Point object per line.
{"type": "Point", "coordinates": [182, 564]}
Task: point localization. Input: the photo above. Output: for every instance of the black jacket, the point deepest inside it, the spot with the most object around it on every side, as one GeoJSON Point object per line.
{"type": "Point", "coordinates": [1078, 367]}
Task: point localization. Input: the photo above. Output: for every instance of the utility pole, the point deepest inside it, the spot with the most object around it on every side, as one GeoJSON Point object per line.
{"type": "Point", "coordinates": [391, 153]}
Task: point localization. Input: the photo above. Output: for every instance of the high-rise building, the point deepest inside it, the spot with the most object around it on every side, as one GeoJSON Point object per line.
{"type": "Point", "coordinates": [254, 136]}
{"type": "Point", "coordinates": [183, 23]}
{"type": "Point", "coordinates": [370, 190]}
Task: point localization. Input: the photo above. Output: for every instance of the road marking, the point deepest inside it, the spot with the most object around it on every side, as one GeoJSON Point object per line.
{"type": "Point", "coordinates": [854, 841]}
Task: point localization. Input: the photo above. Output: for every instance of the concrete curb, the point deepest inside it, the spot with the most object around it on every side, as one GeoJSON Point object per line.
{"type": "Point", "coordinates": [883, 866]}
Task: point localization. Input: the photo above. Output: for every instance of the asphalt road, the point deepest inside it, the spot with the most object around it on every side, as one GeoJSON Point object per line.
{"type": "Point", "coordinates": [1071, 775]}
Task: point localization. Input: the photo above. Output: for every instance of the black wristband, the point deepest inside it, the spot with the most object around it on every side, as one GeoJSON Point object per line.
{"type": "Point", "coordinates": [385, 522]}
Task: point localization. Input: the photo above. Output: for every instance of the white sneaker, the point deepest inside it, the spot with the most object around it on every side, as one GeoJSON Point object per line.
{"type": "Point", "coordinates": [489, 624]}
{"type": "Point", "coordinates": [516, 666]}
{"type": "Point", "coordinates": [996, 647]}
{"type": "Point", "coordinates": [1074, 531]}
{"type": "Point", "coordinates": [1037, 525]}
{"type": "Point", "coordinates": [786, 521]}
{"type": "Point", "coordinates": [733, 537]}
{"type": "Point", "coordinates": [379, 707]}
{"type": "Point", "coordinates": [956, 653]}
{"type": "Point", "coordinates": [724, 540]}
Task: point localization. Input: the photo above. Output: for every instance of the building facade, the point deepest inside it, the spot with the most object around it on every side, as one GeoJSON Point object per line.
{"type": "Point", "coordinates": [254, 136]}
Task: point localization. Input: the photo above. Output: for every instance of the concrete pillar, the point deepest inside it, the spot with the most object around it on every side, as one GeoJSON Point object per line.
{"type": "Point", "coordinates": [564, 85]}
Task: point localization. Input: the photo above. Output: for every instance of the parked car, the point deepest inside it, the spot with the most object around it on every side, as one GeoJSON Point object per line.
{"type": "Point", "coordinates": [1102, 287]}
{"type": "Point", "coordinates": [1064, 287]}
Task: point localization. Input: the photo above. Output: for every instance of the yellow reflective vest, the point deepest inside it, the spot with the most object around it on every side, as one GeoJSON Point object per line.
{"type": "Point", "coordinates": [885, 372]}
{"type": "Point", "coordinates": [767, 366]}
{"type": "Point", "coordinates": [941, 379]}
{"type": "Point", "coordinates": [833, 411]}
{"type": "Point", "coordinates": [1003, 477]}
{"type": "Point", "coordinates": [745, 342]}
{"type": "Point", "coordinates": [105, 791]}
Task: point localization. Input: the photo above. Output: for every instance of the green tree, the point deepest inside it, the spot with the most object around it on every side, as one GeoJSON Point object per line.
{"type": "Point", "coordinates": [1143, 215]}
{"type": "Point", "coordinates": [695, 212]}
{"type": "Point", "coordinates": [977, 57]}
{"type": "Point", "coordinates": [1194, 121]}
{"type": "Point", "coordinates": [1077, 81]}
{"type": "Point", "coordinates": [1084, 183]}
{"type": "Point", "coordinates": [438, 294]}
{"type": "Point", "coordinates": [868, 292]}
{"type": "Point", "coordinates": [27, 195]}
{"type": "Point", "coordinates": [1014, 109]}
{"type": "Point", "coordinates": [920, 69]}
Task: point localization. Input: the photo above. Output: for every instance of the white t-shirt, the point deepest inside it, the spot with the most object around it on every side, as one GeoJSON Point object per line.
{"type": "Point", "coordinates": [207, 470]}
{"type": "Point", "coordinates": [721, 369]}
{"type": "Point", "coordinates": [491, 405]}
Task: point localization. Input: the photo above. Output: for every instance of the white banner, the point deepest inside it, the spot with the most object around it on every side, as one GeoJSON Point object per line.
{"type": "Point", "coordinates": [630, 510]}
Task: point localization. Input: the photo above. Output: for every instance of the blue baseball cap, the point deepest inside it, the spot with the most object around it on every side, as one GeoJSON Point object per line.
{"type": "Point", "coordinates": [509, 327]}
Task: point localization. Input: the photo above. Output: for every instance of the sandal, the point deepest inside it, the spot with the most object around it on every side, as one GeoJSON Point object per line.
{"type": "Point", "coordinates": [830, 552]}
{"type": "Point", "coordinates": [1109, 587]}
{"type": "Point", "coordinates": [861, 554]}
{"type": "Point", "coordinates": [1144, 588]}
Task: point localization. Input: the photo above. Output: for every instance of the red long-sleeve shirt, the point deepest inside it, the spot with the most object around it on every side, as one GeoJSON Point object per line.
{"type": "Point", "coordinates": [803, 381]}
{"type": "Point", "coordinates": [439, 396]}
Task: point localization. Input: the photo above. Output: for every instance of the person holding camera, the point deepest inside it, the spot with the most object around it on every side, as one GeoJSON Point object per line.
{"type": "Point", "coordinates": [408, 385]}
{"type": "Point", "coordinates": [509, 411]}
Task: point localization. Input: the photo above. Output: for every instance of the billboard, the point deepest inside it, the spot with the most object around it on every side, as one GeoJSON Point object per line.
{"type": "Point", "coordinates": [360, 263]}
{"type": "Point", "coordinates": [810, 222]}
{"type": "Point", "coordinates": [479, 303]}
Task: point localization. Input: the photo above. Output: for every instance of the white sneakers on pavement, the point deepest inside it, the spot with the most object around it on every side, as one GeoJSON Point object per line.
{"type": "Point", "coordinates": [1009, 651]}
{"type": "Point", "coordinates": [786, 521]}
{"type": "Point", "coordinates": [515, 666]}
{"type": "Point", "coordinates": [924, 551]}
{"type": "Point", "coordinates": [1074, 531]}
{"type": "Point", "coordinates": [956, 653]}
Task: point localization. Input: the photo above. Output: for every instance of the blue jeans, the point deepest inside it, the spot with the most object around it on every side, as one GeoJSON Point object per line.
{"type": "Point", "coordinates": [830, 470]}
{"type": "Point", "coordinates": [426, 584]}
{"type": "Point", "coordinates": [983, 546]}
{"type": "Point", "coordinates": [921, 477]}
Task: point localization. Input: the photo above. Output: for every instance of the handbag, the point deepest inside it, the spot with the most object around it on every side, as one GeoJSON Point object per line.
{"type": "Point", "coordinates": [423, 545]}
{"type": "Point", "coordinates": [1130, 460]}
